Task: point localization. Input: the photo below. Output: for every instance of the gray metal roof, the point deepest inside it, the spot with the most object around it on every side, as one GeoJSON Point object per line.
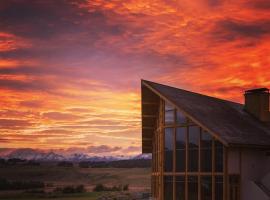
{"type": "Point", "coordinates": [225, 119]}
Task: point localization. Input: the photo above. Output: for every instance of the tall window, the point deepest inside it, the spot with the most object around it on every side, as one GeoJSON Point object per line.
{"type": "Point", "coordinates": [218, 156]}
{"type": "Point", "coordinates": [206, 152]}
{"type": "Point", "coordinates": [180, 187]}
{"type": "Point", "coordinates": [192, 187]}
{"type": "Point", "coordinates": [218, 187]}
{"type": "Point", "coordinates": [180, 118]}
{"type": "Point", "coordinates": [193, 148]}
{"type": "Point", "coordinates": [206, 188]}
{"type": "Point", "coordinates": [186, 146]}
{"type": "Point", "coordinates": [169, 114]}
{"type": "Point", "coordinates": [168, 187]}
{"type": "Point", "coordinates": [168, 151]}
{"type": "Point", "coordinates": [181, 133]}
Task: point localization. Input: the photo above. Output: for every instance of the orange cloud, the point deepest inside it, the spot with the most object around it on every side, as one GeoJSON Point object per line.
{"type": "Point", "coordinates": [77, 83]}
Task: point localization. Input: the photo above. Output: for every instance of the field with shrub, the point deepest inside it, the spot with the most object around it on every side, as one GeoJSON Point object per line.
{"type": "Point", "coordinates": [50, 181]}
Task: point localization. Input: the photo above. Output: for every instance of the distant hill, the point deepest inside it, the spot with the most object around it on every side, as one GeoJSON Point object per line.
{"type": "Point", "coordinates": [37, 155]}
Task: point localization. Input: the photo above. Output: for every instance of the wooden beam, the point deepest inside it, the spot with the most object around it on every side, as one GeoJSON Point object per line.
{"type": "Point", "coordinates": [148, 127]}
{"type": "Point", "coordinates": [149, 103]}
{"type": "Point", "coordinates": [149, 116]}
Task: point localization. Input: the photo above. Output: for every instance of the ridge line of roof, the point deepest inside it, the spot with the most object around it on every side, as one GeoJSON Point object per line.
{"type": "Point", "coordinates": [215, 98]}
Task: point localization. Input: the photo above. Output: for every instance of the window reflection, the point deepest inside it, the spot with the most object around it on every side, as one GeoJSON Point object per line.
{"type": "Point", "coordinates": [219, 188]}
{"type": "Point", "coordinates": [192, 187]}
{"type": "Point", "coordinates": [169, 114]}
{"type": "Point", "coordinates": [218, 156]}
{"type": "Point", "coordinates": [180, 187]}
{"type": "Point", "coordinates": [180, 118]}
{"type": "Point", "coordinates": [182, 139]}
{"type": "Point", "coordinates": [168, 151]}
{"type": "Point", "coordinates": [206, 188]}
{"type": "Point", "coordinates": [181, 149]}
{"type": "Point", "coordinates": [206, 152]}
{"type": "Point", "coordinates": [193, 148]}
{"type": "Point", "coordinates": [168, 187]}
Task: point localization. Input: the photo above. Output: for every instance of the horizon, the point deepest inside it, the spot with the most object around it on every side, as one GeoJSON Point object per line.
{"type": "Point", "coordinates": [71, 70]}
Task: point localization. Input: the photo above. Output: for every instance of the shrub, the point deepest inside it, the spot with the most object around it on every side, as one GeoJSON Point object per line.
{"type": "Point", "coordinates": [20, 185]}
{"type": "Point", "coordinates": [36, 191]}
{"type": "Point", "coordinates": [126, 187]}
{"type": "Point", "coordinates": [70, 189]}
{"type": "Point", "coordinates": [80, 189]}
{"type": "Point", "coordinates": [100, 188]}
{"type": "Point", "coordinates": [84, 165]}
{"type": "Point", "coordinates": [65, 164]}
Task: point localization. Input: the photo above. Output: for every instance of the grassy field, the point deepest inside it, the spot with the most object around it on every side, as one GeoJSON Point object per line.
{"type": "Point", "coordinates": [54, 176]}
{"type": "Point", "coordinates": [22, 196]}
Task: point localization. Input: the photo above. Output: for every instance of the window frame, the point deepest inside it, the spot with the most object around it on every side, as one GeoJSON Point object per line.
{"type": "Point", "coordinates": [160, 172]}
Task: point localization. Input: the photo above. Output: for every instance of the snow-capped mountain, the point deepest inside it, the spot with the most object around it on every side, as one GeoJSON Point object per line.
{"type": "Point", "coordinates": [32, 154]}
{"type": "Point", "coordinates": [37, 155]}
{"type": "Point", "coordinates": [142, 157]}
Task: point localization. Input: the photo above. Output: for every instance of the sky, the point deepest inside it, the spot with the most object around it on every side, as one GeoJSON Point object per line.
{"type": "Point", "coordinates": [70, 70]}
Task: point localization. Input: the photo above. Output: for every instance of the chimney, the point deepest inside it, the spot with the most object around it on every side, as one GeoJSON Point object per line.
{"type": "Point", "coordinates": [257, 103]}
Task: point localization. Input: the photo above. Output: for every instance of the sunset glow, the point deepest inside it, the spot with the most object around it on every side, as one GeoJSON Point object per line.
{"type": "Point", "coordinates": [70, 70]}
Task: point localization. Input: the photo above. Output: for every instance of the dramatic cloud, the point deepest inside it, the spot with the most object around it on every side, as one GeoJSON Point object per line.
{"type": "Point", "coordinates": [231, 29]}
{"type": "Point", "coordinates": [60, 116]}
{"type": "Point", "coordinates": [14, 124]}
{"type": "Point", "coordinates": [70, 70]}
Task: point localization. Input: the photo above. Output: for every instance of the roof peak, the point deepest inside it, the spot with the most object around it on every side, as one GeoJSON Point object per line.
{"type": "Point", "coordinates": [196, 93]}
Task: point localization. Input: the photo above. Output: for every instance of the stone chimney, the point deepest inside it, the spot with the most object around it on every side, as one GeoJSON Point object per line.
{"type": "Point", "coordinates": [257, 103]}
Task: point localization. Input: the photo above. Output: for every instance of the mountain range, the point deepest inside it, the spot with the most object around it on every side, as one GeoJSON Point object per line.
{"type": "Point", "coordinates": [37, 155]}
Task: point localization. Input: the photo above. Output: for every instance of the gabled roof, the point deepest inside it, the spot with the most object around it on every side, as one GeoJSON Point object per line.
{"type": "Point", "coordinates": [226, 120]}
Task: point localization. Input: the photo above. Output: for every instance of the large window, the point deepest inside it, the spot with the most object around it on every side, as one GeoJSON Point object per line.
{"type": "Point", "coordinates": [206, 152]}
{"type": "Point", "coordinates": [206, 188]}
{"type": "Point", "coordinates": [181, 133]}
{"type": "Point", "coordinates": [180, 187]}
{"type": "Point", "coordinates": [192, 187]}
{"type": "Point", "coordinates": [169, 114]}
{"type": "Point", "coordinates": [193, 148]}
{"type": "Point", "coordinates": [192, 159]}
{"type": "Point", "coordinates": [168, 187]}
{"type": "Point", "coordinates": [218, 156]}
{"type": "Point", "coordinates": [168, 151]}
{"type": "Point", "coordinates": [218, 187]}
{"type": "Point", "coordinates": [180, 118]}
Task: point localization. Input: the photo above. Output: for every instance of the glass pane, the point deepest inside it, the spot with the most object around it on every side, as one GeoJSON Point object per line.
{"type": "Point", "coordinates": [218, 156]}
{"type": "Point", "coordinates": [169, 114]}
{"type": "Point", "coordinates": [168, 151]}
{"type": "Point", "coordinates": [192, 188]}
{"type": "Point", "coordinates": [206, 188]}
{"type": "Point", "coordinates": [154, 186]}
{"type": "Point", "coordinates": [193, 148]}
{"type": "Point", "coordinates": [168, 106]}
{"type": "Point", "coordinates": [169, 117]}
{"type": "Point", "coordinates": [181, 149]}
{"type": "Point", "coordinates": [180, 187]}
{"type": "Point", "coordinates": [219, 188]}
{"type": "Point", "coordinates": [168, 187]}
{"type": "Point", "coordinates": [180, 118]}
{"type": "Point", "coordinates": [206, 152]}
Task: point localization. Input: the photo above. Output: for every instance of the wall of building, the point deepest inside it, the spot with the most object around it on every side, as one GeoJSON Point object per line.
{"type": "Point", "coordinates": [255, 164]}
{"type": "Point", "coordinates": [255, 167]}
{"type": "Point", "coordinates": [233, 161]}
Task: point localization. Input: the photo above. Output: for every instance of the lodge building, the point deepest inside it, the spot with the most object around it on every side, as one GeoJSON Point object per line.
{"type": "Point", "coordinates": [205, 148]}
